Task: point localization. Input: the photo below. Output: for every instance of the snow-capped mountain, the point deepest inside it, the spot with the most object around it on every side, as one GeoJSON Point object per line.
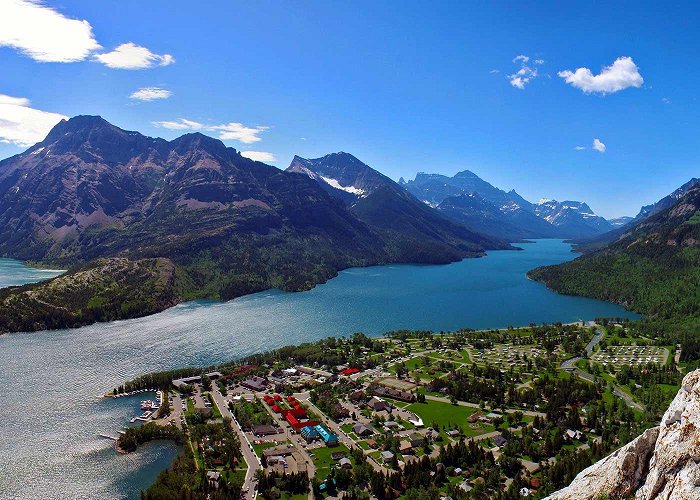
{"type": "Point", "coordinates": [573, 218]}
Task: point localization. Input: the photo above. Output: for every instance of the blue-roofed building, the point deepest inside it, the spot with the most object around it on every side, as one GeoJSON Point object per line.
{"type": "Point", "coordinates": [309, 433]}
{"type": "Point", "coordinates": [328, 437]}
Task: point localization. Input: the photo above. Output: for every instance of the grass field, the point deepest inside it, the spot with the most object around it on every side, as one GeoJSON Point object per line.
{"type": "Point", "coordinates": [447, 416]}
{"type": "Point", "coordinates": [322, 456]}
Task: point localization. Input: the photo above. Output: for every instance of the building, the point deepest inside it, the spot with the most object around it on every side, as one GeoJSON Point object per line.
{"type": "Point", "coordinates": [328, 437]}
{"type": "Point", "coordinates": [405, 447]}
{"type": "Point", "coordinates": [388, 392]}
{"type": "Point", "coordinates": [500, 441]}
{"type": "Point", "coordinates": [265, 430]}
{"type": "Point", "coordinates": [362, 430]}
{"type": "Point", "coordinates": [345, 463]}
{"type": "Point", "coordinates": [387, 456]}
{"type": "Point", "coordinates": [350, 371]}
{"type": "Point", "coordinates": [357, 395]}
{"type": "Point", "coordinates": [255, 384]}
{"type": "Point", "coordinates": [416, 440]}
{"type": "Point", "coordinates": [309, 434]}
{"type": "Point", "coordinates": [379, 404]}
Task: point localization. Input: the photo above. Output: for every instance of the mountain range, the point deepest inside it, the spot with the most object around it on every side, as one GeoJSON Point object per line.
{"type": "Point", "coordinates": [467, 198]}
{"type": "Point", "coordinates": [198, 219]}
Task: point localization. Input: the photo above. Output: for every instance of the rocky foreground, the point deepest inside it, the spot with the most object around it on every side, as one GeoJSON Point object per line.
{"type": "Point", "coordinates": [662, 463]}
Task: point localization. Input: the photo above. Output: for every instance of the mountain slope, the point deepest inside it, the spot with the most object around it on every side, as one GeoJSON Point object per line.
{"type": "Point", "coordinates": [479, 214]}
{"type": "Point", "coordinates": [653, 268]}
{"type": "Point", "coordinates": [519, 218]}
{"type": "Point", "coordinates": [574, 219]}
{"type": "Point", "coordinates": [230, 226]}
{"type": "Point", "coordinates": [410, 226]}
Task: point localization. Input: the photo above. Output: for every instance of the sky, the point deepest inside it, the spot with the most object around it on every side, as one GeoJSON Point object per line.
{"type": "Point", "coordinates": [564, 100]}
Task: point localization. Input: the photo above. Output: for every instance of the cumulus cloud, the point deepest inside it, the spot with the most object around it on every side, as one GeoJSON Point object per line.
{"type": "Point", "coordinates": [226, 131]}
{"type": "Point", "coordinates": [22, 125]}
{"type": "Point", "coordinates": [150, 94]}
{"type": "Point", "coordinates": [131, 56]}
{"type": "Point", "coordinates": [43, 33]}
{"type": "Point", "coordinates": [524, 75]}
{"type": "Point", "coordinates": [259, 155]}
{"type": "Point", "coordinates": [598, 146]}
{"type": "Point", "coordinates": [620, 75]}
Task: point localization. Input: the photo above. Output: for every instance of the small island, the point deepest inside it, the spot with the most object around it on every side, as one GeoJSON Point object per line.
{"type": "Point", "coordinates": [414, 414]}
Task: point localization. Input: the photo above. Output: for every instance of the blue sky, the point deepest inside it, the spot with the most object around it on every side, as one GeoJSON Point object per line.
{"type": "Point", "coordinates": [404, 86]}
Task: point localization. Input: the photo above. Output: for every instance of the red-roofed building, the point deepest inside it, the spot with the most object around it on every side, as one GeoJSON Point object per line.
{"type": "Point", "coordinates": [277, 397]}
{"type": "Point", "coordinates": [276, 409]}
{"type": "Point", "coordinates": [350, 371]}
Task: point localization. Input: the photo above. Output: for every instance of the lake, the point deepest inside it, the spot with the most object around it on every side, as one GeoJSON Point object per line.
{"type": "Point", "coordinates": [51, 382]}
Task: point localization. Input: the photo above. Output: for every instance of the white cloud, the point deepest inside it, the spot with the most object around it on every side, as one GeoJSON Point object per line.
{"type": "Point", "coordinates": [22, 125]}
{"type": "Point", "coordinates": [598, 146]}
{"type": "Point", "coordinates": [131, 56]}
{"type": "Point", "coordinates": [227, 131]}
{"type": "Point", "coordinates": [539, 61]}
{"type": "Point", "coordinates": [43, 33]}
{"type": "Point", "coordinates": [259, 155]}
{"type": "Point", "coordinates": [666, 100]}
{"type": "Point", "coordinates": [524, 75]}
{"type": "Point", "coordinates": [150, 94]}
{"type": "Point", "coordinates": [494, 71]}
{"type": "Point", "coordinates": [620, 75]}
{"type": "Point", "coordinates": [580, 148]}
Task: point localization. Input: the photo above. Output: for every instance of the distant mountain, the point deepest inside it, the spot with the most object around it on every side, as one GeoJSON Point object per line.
{"type": "Point", "coordinates": [620, 221]}
{"type": "Point", "coordinates": [384, 205]}
{"type": "Point", "coordinates": [434, 188]}
{"type": "Point", "coordinates": [477, 213]}
{"type": "Point", "coordinates": [574, 219]}
{"type": "Point", "coordinates": [667, 201]}
{"type": "Point", "coordinates": [591, 243]}
{"type": "Point", "coordinates": [518, 217]}
{"type": "Point", "coordinates": [226, 225]}
{"type": "Point", "coordinates": [653, 267]}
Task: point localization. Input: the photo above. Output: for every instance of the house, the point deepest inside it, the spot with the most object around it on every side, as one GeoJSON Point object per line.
{"type": "Point", "coordinates": [493, 416]}
{"type": "Point", "coordinates": [357, 395]}
{"type": "Point", "coordinates": [255, 384]}
{"type": "Point", "coordinates": [328, 437]}
{"type": "Point", "coordinates": [362, 430]}
{"type": "Point", "coordinates": [499, 441]}
{"type": "Point", "coordinates": [309, 434]}
{"type": "Point", "coordinates": [391, 424]}
{"type": "Point", "coordinates": [405, 447]}
{"type": "Point", "coordinates": [371, 443]}
{"type": "Point", "coordinates": [387, 456]}
{"type": "Point", "coordinates": [350, 371]}
{"type": "Point", "coordinates": [213, 478]}
{"type": "Point", "coordinates": [571, 435]}
{"type": "Point", "coordinates": [388, 392]}
{"type": "Point", "coordinates": [345, 463]}
{"type": "Point", "coordinates": [416, 440]}
{"type": "Point", "coordinates": [379, 405]}
{"type": "Point", "coordinates": [453, 433]}
{"type": "Point", "coordinates": [265, 430]}
{"type": "Point", "coordinates": [339, 411]}
{"type": "Point", "coordinates": [474, 417]}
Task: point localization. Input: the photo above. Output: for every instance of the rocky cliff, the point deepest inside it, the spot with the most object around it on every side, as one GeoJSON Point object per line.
{"type": "Point", "coordinates": [662, 463]}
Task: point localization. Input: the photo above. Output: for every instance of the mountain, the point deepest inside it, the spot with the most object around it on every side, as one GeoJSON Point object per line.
{"type": "Point", "coordinates": [667, 201]}
{"type": "Point", "coordinates": [660, 463]}
{"type": "Point", "coordinates": [381, 203]}
{"type": "Point", "coordinates": [519, 218]}
{"type": "Point", "coordinates": [620, 221]}
{"type": "Point", "coordinates": [591, 243]}
{"type": "Point", "coordinates": [434, 188]}
{"type": "Point", "coordinates": [481, 215]}
{"type": "Point", "coordinates": [574, 219]}
{"type": "Point", "coordinates": [653, 267]}
{"type": "Point", "coordinates": [226, 224]}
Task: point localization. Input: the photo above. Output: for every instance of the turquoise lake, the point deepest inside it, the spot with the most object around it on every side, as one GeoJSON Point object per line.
{"type": "Point", "coordinates": [51, 382]}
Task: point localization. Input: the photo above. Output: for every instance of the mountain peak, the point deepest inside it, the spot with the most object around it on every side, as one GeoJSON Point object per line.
{"type": "Point", "coordinates": [466, 174]}
{"type": "Point", "coordinates": [81, 124]}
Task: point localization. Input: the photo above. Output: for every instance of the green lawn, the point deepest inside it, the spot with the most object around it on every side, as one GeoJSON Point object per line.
{"type": "Point", "coordinates": [260, 447]}
{"type": "Point", "coordinates": [447, 415]}
{"type": "Point", "coordinates": [322, 456]}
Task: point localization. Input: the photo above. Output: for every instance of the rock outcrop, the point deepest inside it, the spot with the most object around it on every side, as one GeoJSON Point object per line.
{"type": "Point", "coordinates": [662, 463]}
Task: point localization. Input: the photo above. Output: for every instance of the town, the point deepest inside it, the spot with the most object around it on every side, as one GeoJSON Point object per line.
{"type": "Point", "coordinates": [470, 414]}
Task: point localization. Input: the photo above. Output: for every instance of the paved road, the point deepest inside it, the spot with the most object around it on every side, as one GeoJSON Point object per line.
{"type": "Point", "coordinates": [251, 459]}
{"type": "Point", "coordinates": [570, 366]}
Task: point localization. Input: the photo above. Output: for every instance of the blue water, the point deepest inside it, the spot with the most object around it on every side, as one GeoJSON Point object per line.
{"type": "Point", "coordinates": [50, 382]}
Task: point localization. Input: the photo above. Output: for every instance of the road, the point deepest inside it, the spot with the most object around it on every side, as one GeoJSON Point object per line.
{"type": "Point", "coordinates": [251, 459]}
{"type": "Point", "coordinates": [570, 366]}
